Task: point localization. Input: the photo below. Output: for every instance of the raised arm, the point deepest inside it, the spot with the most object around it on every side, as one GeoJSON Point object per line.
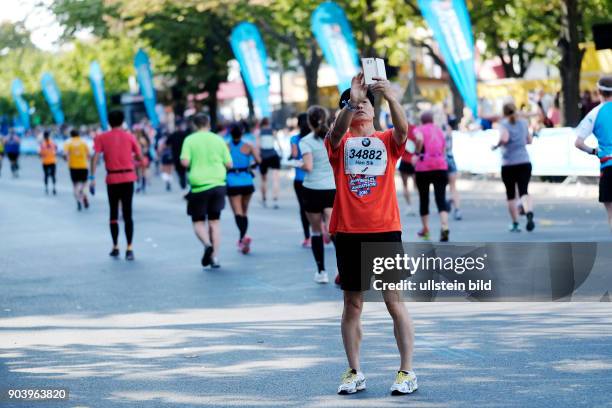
{"type": "Point", "coordinates": [398, 117]}
{"type": "Point", "coordinates": [343, 121]}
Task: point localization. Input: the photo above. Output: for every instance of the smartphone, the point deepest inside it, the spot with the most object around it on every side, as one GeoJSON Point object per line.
{"type": "Point", "coordinates": [373, 68]}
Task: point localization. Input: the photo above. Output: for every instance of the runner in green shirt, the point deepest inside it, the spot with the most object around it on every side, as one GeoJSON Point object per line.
{"type": "Point", "coordinates": [207, 157]}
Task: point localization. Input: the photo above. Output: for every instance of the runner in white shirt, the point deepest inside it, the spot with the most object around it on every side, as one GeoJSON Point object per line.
{"type": "Point", "coordinates": [319, 185]}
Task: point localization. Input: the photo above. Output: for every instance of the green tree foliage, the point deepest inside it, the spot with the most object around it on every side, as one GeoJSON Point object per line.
{"type": "Point", "coordinates": [70, 70]}
{"type": "Point", "coordinates": [13, 36]}
{"type": "Point", "coordinates": [95, 16]}
{"type": "Point", "coordinates": [192, 35]}
{"type": "Point", "coordinates": [195, 40]}
{"type": "Point", "coordinates": [191, 40]}
{"type": "Point", "coordinates": [518, 31]}
{"type": "Point", "coordinates": [285, 27]}
{"type": "Point", "coordinates": [379, 27]}
{"type": "Point", "coordinates": [512, 32]}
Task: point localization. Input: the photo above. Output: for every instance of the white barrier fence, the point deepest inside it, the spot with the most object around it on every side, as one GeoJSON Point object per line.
{"type": "Point", "coordinates": [552, 153]}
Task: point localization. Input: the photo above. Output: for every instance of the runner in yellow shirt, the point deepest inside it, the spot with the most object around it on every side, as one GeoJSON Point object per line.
{"type": "Point", "coordinates": [76, 152]}
{"type": "Point", "coordinates": [48, 158]}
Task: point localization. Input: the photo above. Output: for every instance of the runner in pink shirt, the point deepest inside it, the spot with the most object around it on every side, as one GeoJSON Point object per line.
{"type": "Point", "coordinates": [431, 168]}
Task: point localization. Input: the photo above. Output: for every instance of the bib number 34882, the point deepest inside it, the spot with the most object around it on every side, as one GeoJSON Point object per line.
{"type": "Point", "coordinates": [365, 155]}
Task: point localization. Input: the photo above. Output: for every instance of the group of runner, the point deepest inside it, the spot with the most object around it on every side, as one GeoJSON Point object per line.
{"type": "Point", "coordinates": [427, 160]}
{"type": "Point", "coordinates": [344, 182]}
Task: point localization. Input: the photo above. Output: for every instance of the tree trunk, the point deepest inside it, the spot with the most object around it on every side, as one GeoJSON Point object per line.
{"type": "Point", "coordinates": [310, 64]}
{"type": "Point", "coordinates": [212, 104]}
{"type": "Point", "coordinates": [249, 99]}
{"type": "Point", "coordinates": [458, 103]}
{"type": "Point", "coordinates": [311, 72]}
{"type": "Point", "coordinates": [281, 74]}
{"type": "Point", "coordinates": [523, 65]}
{"type": "Point", "coordinates": [178, 99]}
{"type": "Point", "coordinates": [571, 59]}
{"type": "Point", "coordinates": [178, 91]}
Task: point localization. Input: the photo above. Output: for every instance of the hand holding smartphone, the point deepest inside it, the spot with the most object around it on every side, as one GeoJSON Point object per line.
{"type": "Point", "coordinates": [373, 68]}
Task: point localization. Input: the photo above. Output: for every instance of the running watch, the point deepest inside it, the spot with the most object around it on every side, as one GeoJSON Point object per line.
{"type": "Point", "coordinates": [349, 107]}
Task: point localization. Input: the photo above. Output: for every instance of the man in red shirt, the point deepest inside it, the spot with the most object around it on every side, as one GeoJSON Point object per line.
{"type": "Point", "coordinates": [366, 210]}
{"type": "Point", "coordinates": [120, 150]}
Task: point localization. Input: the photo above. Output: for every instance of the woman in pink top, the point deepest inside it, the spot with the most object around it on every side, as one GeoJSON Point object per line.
{"type": "Point", "coordinates": [431, 168]}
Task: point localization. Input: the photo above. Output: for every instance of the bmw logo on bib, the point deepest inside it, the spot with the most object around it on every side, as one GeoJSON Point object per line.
{"type": "Point", "coordinates": [366, 142]}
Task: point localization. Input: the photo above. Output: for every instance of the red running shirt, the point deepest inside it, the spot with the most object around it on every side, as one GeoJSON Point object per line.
{"type": "Point", "coordinates": [119, 148]}
{"type": "Point", "coordinates": [364, 170]}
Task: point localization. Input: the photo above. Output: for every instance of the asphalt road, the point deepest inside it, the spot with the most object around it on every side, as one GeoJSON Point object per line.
{"type": "Point", "coordinates": [162, 332]}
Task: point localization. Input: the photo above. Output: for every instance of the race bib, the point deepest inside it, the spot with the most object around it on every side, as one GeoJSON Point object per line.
{"type": "Point", "coordinates": [365, 155]}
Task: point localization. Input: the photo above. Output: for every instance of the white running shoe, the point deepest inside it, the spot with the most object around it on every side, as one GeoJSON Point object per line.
{"type": "Point", "coordinates": [405, 383]}
{"type": "Point", "coordinates": [351, 382]}
{"type": "Point", "coordinates": [321, 277]}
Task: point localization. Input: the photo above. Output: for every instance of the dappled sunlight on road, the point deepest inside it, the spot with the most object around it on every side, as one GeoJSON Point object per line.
{"type": "Point", "coordinates": [221, 400]}
{"type": "Point", "coordinates": [283, 343]}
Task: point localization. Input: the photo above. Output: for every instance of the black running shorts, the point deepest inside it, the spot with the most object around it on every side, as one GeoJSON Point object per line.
{"type": "Point", "coordinates": [605, 185]}
{"type": "Point", "coordinates": [348, 257]}
{"type": "Point", "coordinates": [272, 162]}
{"type": "Point", "coordinates": [315, 201]}
{"type": "Point", "coordinates": [406, 168]}
{"type": "Point", "coordinates": [78, 175]}
{"type": "Point", "coordinates": [240, 190]}
{"type": "Point", "coordinates": [207, 204]}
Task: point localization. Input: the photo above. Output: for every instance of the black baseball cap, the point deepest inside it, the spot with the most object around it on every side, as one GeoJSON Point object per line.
{"type": "Point", "coordinates": [346, 95]}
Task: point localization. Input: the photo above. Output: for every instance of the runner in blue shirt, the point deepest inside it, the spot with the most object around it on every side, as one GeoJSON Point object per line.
{"type": "Point", "coordinates": [240, 185]}
{"type": "Point", "coordinates": [599, 123]}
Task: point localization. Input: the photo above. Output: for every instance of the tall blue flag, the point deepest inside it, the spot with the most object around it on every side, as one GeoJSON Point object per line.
{"type": "Point", "coordinates": [22, 105]}
{"type": "Point", "coordinates": [53, 97]}
{"type": "Point", "coordinates": [335, 37]}
{"type": "Point", "coordinates": [449, 21]}
{"type": "Point", "coordinates": [96, 79]}
{"type": "Point", "coordinates": [145, 81]}
{"type": "Point", "coordinates": [250, 52]}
